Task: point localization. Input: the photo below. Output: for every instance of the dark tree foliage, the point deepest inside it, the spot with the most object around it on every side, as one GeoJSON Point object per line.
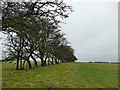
{"type": "Point", "coordinates": [32, 30]}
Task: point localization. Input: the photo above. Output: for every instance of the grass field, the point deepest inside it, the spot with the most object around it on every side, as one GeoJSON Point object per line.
{"type": "Point", "coordinates": [63, 75]}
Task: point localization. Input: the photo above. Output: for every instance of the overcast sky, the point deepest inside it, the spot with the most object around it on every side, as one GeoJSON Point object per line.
{"type": "Point", "coordinates": [92, 29]}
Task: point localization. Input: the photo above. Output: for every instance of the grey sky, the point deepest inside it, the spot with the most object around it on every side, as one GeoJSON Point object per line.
{"type": "Point", "coordinates": [92, 30]}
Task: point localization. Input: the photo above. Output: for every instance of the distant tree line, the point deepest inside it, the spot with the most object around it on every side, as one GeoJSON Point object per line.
{"type": "Point", "coordinates": [33, 32]}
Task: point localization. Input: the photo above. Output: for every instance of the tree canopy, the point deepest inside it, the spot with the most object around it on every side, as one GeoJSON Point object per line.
{"type": "Point", "coordinates": [33, 32]}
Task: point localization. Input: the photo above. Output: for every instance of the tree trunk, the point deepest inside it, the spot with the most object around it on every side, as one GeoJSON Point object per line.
{"type": "Point", "coordinates": [29, 63]}
{"type": "Point", "coordinates": [23, 64]}
{"type": "Point", "coordinates": [34, 60]}
{"type": "Point", "coordinates": [17, 67]}
{"type": "Point", "coordinates": [52, 61]}
{"type": "Point", "coordinates": [45, 61]}
{"type": "Point", "coordinates": [48, 62]}
{"type": "Point", "coordinates": [42, 62]}
{"type": "Point", "coordinates": [56, 61]}
{"type": "Point", "coordinates": [42, 55]}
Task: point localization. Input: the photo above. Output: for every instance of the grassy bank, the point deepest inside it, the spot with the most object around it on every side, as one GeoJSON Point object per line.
{"type": "Point", "coordinates": [63, 75]}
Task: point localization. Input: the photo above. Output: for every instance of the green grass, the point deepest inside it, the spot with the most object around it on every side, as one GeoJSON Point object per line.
{"type": "Point", "coordinates": [63, 75]}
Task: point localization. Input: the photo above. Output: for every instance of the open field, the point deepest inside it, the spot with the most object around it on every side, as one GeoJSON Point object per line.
{"type": "Point", "coordinates": [63, 75]}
